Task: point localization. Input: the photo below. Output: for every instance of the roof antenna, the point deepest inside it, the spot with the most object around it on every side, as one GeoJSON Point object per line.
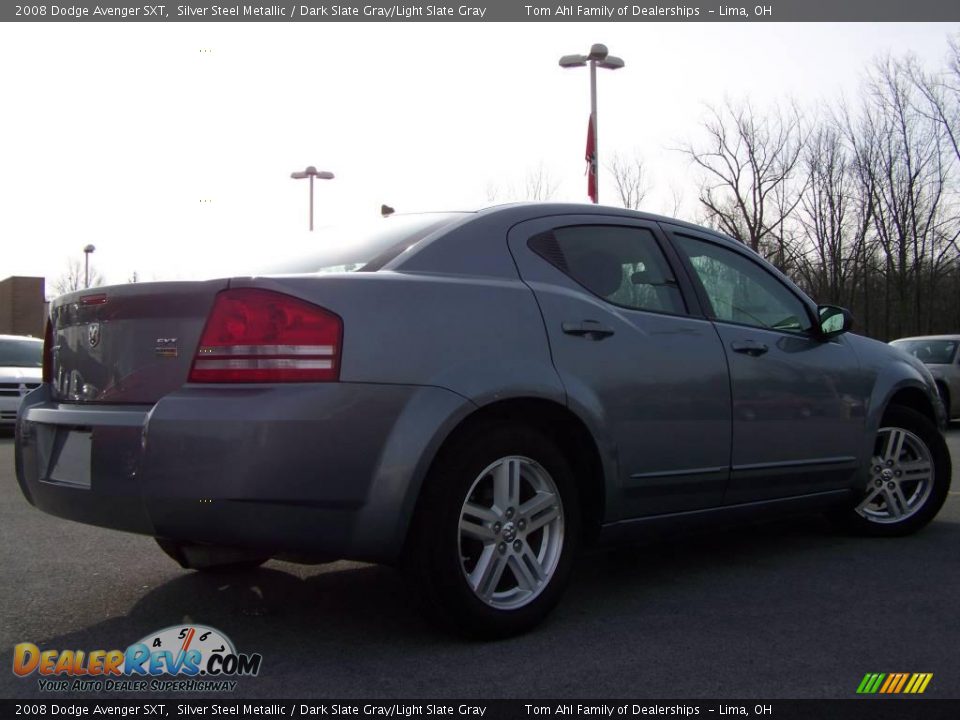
{"type": "Point", "coordinates": [386, 210]}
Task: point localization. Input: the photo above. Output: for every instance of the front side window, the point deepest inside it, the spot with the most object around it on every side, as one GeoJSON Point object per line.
{"type": "Point", "coordinates": [622, 265]}
{"type": "Point", "coordinates": [741, 291]}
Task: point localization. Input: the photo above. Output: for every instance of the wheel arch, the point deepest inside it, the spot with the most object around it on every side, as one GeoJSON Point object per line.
{"type": "Point", "coordinates": [896, 383]}
{"type": "Point", "coordinates": [914, 398]}
{"type": "Point", "coordinates": [563, 426]}
{"type": "Point", "coordinates": [944, 387]}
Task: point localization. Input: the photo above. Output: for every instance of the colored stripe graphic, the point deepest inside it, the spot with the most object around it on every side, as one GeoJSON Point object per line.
{"type": "Point", "coordinates": [892, 679]}
{"type": "Point", "coordinates": [894, 683]}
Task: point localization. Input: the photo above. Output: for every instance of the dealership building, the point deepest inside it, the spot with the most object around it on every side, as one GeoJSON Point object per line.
{"type": "Point", "coordinates": [22, 306]}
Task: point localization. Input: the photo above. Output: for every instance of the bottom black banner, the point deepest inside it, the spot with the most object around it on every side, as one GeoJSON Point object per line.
{"type": "Point", "coordinates": [876, 709]}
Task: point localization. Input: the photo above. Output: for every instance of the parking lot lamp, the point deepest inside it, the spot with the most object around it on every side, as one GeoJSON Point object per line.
{"type": "Point", "coordinates": [311, 172]}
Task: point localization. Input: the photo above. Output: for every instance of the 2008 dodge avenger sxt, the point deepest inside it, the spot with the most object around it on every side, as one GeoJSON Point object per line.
{"type": "Point", "coordinates": [478, 395]}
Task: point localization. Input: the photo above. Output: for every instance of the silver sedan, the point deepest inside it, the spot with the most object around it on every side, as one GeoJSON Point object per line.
{"type": "Point", "coordinates": [941, 355]}
{"type": "Point", "coordinates": [473, 397]}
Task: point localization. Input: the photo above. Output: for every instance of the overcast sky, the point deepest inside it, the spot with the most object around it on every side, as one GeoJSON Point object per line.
{"type": "Point", "coordinates": [114, 134]}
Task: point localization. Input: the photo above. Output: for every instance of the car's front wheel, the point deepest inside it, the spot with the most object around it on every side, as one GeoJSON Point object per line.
{"type": "Point", "coordinates": [496, 530]}
{"type": "Point", "coordinates": [909, 476]}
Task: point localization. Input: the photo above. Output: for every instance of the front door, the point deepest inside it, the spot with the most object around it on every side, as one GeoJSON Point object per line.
{"type": "Point", "coordinates": [798, 400]}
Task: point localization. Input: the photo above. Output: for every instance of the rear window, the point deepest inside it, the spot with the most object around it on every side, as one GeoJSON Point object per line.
{"type": "Point", "coordinates": [21, 353]}
{"type": "Point", "coordinates": [364, 247]}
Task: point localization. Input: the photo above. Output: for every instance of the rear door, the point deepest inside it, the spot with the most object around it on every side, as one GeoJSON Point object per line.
{"type": "Point", "coordinates": [636, 359]}
{"type": "Point", "coordinates": [798, 401]}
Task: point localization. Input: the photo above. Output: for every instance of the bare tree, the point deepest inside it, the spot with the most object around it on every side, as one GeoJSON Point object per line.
{"type": "Point", "coordinates": [630, 178]}
{"type": "Point", "coordinates": [748, 162]}
{"type": "Point", "coordinates": [912, 177]}
{"type": "Point", "coordinates": [861, 205]}
{"type": "Point", "coordinates": [835, 213]}
{"type": "Point", "coordinates": [941, 94]}
{"type": "Point", "coordinates": [676, 200]}
{"type": "Point", "coordinates": [72, 278]}
{"type": "Point", "coordinates": [494, 192]}
{"type": "Point", "coordinates": [538, 185]}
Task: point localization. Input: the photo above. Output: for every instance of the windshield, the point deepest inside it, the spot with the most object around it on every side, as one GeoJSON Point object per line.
{"type": "Point", "coordinates": [930, 352]}
{"type": "Point", "coordinates": [21, 353]}
{"type": "Point", "coordinates": [364, 247]}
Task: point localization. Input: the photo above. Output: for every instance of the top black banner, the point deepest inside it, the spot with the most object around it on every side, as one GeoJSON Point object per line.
{"type": "Point", "coordinates": [489, 11]}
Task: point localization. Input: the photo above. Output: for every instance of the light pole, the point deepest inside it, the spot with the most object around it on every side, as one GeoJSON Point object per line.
{"type": "Point", "coordinates": [86, 265]}
{"type": "Point", "coordinates": [599, 57]}
{"type": "Point", "coordinates": [311, 172]}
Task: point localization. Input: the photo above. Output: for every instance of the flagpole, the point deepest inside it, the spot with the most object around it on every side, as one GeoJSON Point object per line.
{"type": "Point", "coordinates": [593, 117]}
{"type": "Point", "coordinates": [598, 57]}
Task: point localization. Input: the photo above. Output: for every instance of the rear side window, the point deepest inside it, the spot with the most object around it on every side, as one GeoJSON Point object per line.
{"type": "Point", "coordinates": [622, 265]}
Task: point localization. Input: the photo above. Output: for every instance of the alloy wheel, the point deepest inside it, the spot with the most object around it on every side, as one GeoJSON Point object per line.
{"type": "Point", "coordinates": [511, 532]}
{"type": "Point", "coordinates": [901, 477]}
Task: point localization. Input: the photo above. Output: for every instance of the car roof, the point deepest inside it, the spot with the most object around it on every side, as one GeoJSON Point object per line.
{"type": "Point", "coordinates": [21, 337]}
{"type": "Point", "coordinates": [525, 210]}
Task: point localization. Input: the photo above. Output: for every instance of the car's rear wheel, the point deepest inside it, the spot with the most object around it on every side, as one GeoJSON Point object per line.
{"type": "Point", "coordinates": [909, 476]}
{"type": "Point", "coordinates": [495, 532]}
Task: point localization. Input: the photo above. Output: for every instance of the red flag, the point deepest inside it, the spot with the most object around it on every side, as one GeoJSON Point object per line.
{"type": "Point", "coordinates": [591, 162]}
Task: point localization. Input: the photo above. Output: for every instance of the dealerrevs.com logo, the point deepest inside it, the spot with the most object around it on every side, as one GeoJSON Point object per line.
{"type": "Point", "coordinates": [201, 658]}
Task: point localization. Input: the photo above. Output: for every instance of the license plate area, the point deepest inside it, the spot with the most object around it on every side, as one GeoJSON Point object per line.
{"type": "Point", "coordinates": [69, 453]}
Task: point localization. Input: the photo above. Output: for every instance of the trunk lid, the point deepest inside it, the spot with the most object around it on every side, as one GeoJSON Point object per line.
{"type": "Point", "coordinates": [127, 343]}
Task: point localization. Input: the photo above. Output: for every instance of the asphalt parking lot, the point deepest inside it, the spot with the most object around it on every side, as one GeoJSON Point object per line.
{"type": "Point", "coordinates": [791, 610]}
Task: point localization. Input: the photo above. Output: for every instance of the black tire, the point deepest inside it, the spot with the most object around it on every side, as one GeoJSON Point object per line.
{"type": "Point", "coordinates": [438, 555]}
{"type": "Point", "coordinates": [210, 558]}
{"type": "Point", "coordinates": [874, 519]}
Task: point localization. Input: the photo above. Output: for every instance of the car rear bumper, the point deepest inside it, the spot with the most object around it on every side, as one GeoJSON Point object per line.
{"type": "Point", "coordinates": [329, 469]}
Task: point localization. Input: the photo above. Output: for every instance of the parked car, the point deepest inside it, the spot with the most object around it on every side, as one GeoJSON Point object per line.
{"type": "Point", "coordinates": [474, 396]}
{"type": "Point", "coordinates": [941, 355]}
{"type": "Point", "coordinates": [20, 361]}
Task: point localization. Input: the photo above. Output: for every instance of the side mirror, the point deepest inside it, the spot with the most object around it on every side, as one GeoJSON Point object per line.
{"type": "Point", "coordinates": [834, 320]}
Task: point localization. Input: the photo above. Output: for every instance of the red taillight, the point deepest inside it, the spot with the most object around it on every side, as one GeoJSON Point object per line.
{"type": "Point", "coordinates": [263, 336]}
{"type": "Point", "coordinates": [48, 353]}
